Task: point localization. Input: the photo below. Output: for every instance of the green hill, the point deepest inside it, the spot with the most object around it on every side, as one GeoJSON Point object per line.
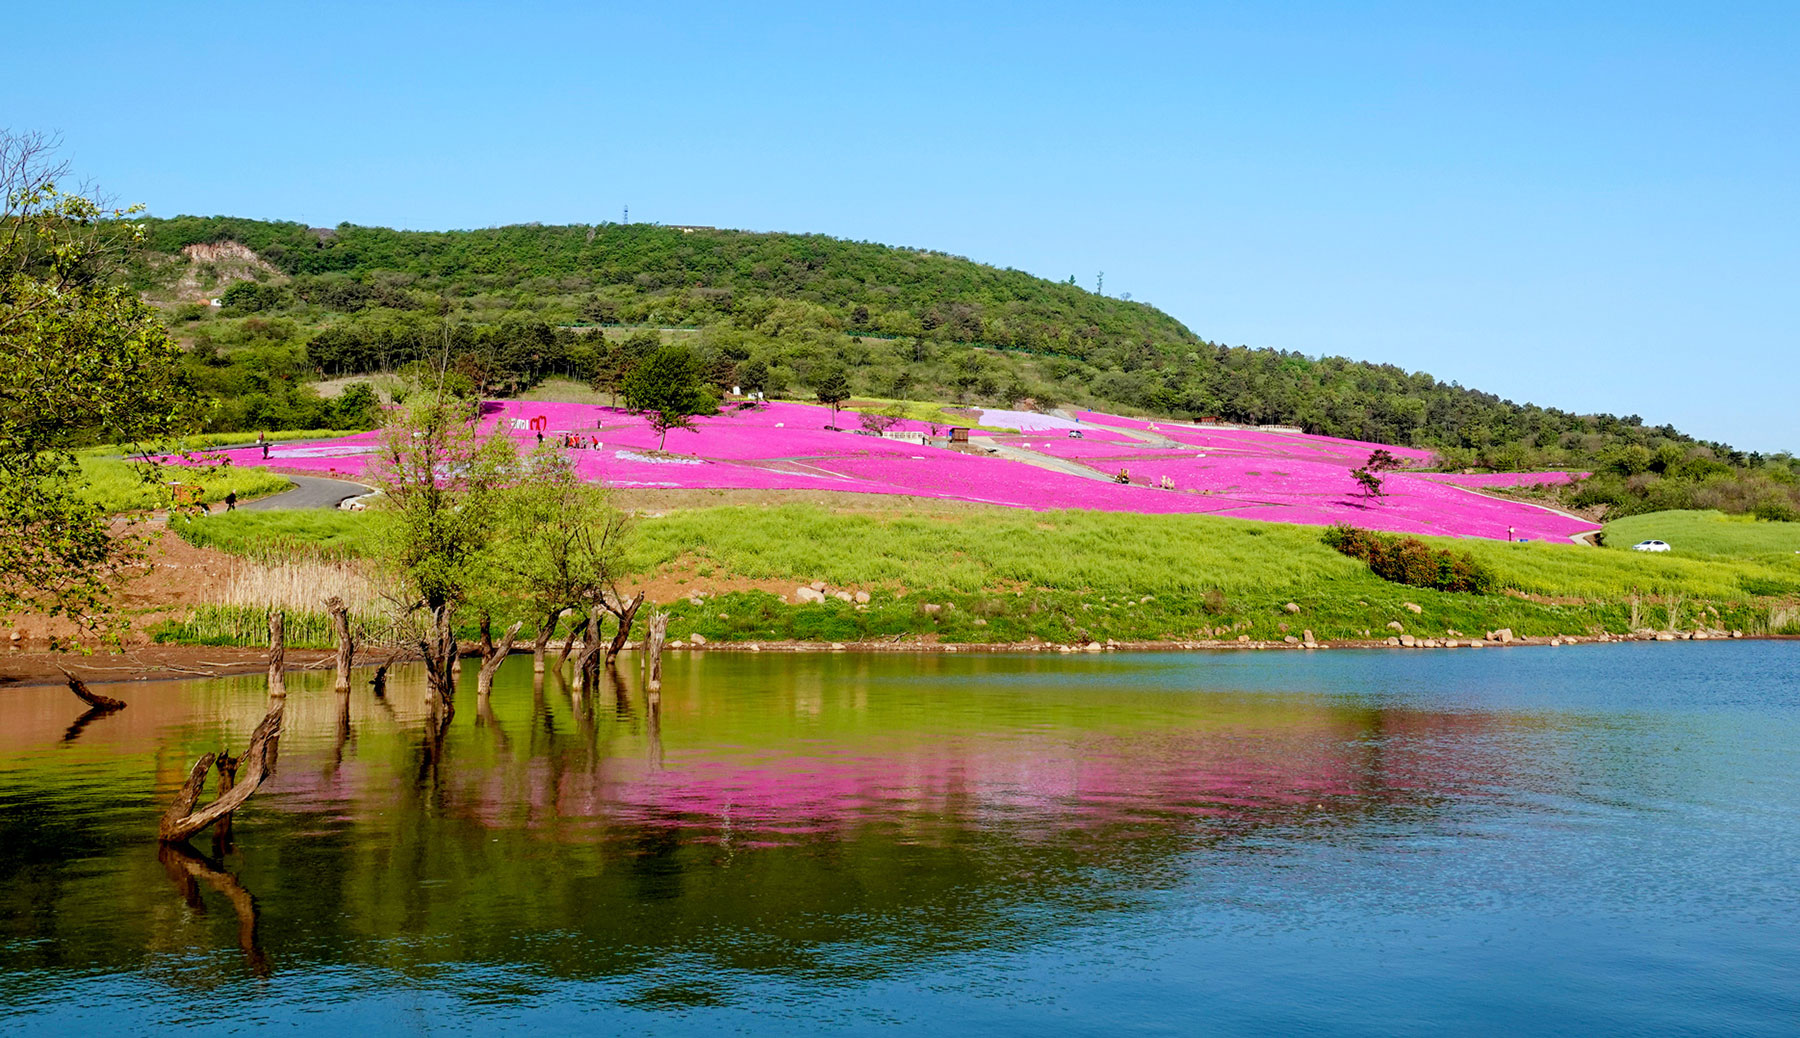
{"type": "Point", "coordinates": [516, 305]}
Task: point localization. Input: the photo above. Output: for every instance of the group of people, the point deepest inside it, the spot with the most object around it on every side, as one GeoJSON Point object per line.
{"type": "Point", "coordinates": [574, 441]}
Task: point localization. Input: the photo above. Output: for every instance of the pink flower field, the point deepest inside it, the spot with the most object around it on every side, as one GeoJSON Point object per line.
{"type": "Point", "coordinates": [1246, 473]}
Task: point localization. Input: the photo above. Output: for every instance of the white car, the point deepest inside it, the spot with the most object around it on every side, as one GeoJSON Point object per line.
{"type": "Point", "coordinates": [1650, 546]}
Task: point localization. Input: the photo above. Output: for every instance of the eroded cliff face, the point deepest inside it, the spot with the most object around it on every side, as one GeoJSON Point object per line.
{"type": "Point", "coordinates": [213, 267]}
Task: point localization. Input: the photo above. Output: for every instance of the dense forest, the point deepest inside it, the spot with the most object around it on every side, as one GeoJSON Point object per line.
{"type": "Point", "coordinates": [509, 307]}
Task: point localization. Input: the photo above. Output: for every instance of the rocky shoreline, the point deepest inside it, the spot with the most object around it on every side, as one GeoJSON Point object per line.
{"type": "Point", "coordinates": [28, 667]}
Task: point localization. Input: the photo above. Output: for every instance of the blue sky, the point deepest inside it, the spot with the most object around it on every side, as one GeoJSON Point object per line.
{"type": "Point", "coordinates": [1592, 209]}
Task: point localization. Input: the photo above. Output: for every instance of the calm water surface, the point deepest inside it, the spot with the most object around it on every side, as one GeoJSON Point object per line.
{"type": "Point", "coordinates": [1584, 840]}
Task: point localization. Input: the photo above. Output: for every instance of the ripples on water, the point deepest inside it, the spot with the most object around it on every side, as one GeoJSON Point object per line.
{"type": "Point", "coordinates": [1577, 840]}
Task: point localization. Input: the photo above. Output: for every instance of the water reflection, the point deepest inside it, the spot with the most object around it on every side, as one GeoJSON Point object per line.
{"type": "Point", "coordinates": [831, 820]}
{"type": "Point", "coordinates": [186, 868]}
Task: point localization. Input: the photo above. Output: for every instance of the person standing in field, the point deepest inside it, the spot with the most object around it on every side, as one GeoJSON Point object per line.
{"type": "Point", "coordinates": [231, 500]}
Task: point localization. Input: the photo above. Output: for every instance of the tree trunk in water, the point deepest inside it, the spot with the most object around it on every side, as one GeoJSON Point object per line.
{"type": "Point", "coordinates": [546, 631]}
{"type": "Point", "coordinates": [227, 767]}
{"type": "Point", "coordinates": [379, 681]}
{"type": "Point", "coordinates": [653, 647]}
{"type": "Point", "coordinates": [627, 614]}
{"type": "Point", "coordinates": [568, 646]}
{"type": "Point", "coordinates": [181, 820]}
{"type": "Point", "coordinates": [586, 670]}
{"type": "Point", "coordinates": [346, 646]}
{"type": "Point", "coordinates": [492, 656]}
{"type": "Point", "coordinates": [277, 653]}
{"type": "Point", "coordinates": [439, 650]}
{"type": "Point", "coordinates": [94, 700]}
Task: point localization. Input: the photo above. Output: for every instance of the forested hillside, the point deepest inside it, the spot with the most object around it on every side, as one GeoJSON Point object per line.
{"type": "Point", "coordinates": [511, 306]}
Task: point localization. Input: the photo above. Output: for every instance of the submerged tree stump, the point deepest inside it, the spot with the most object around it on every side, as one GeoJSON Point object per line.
{"type": "Point", "coordinates": [182, 820]}
{"type": "Point", "coordinates": [346, 644]}
{"type": "Point", "coordinates": [653, 647]}
{"type": "Point", "coordinates": [277, 653]}
{"type": "Point", "coordinates": [94, 700]}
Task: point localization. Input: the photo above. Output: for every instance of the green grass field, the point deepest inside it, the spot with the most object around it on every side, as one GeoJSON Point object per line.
{"type": "Point", "coordinates": [121, 486]}
{"type": "Point", "coordinates": [1707, 535]}
{"type": "Point", "coordinates": [1001, 575]}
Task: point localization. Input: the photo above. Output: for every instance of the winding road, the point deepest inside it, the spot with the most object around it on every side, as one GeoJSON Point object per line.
{"type": "Point", "coordinates": [309, 492]}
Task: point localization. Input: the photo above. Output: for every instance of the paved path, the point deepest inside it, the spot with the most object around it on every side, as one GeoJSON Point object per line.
{"type": "Point", "coordinates": [1042, 461]}
{"type": "Point", "coordinates": [309, 492]}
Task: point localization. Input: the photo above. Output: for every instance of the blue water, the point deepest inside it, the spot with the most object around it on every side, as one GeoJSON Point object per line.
{"type": "Point", "coordinates": [1595, 839]}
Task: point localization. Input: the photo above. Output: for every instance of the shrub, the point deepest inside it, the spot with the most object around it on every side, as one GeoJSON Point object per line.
{"type": "Point", "coordinates": [1776, 509]}
{"type": "Point", "coordinates": [1408, 560]}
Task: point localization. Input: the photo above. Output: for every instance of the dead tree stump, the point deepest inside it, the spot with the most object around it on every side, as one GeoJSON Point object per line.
{"type": "Point", "coordinates": [346, 644]}
{"type": "Point", "coordinates": [182, 820]}
{"type": "Point", "coordinates": [94, 700]}
{"type": "Point", "coordinates": [653, 647]}
{"type": "Point", "coordinates": [277, 653]}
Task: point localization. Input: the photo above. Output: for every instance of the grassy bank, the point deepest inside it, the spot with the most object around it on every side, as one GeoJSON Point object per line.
{"type": "Point", "coordinates": [118, 485]}
{"type": "Point", "coordinates": [1001, 576]}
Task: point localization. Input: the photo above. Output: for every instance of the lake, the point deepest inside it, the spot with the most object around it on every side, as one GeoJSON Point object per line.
{"type": "Point", "coordinates": [1592, 839]}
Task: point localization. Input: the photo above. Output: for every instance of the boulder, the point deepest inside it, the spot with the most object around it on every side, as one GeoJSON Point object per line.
{"type": "Point", "coordinates": [1291, 640]}
{"type": "Point", "coordinates": [1393, 643]}
{"type": "Point", "coordinates": [1395, 625]}
{"type": "Point", "coordinates": [1292, 607]}
{"type": "Point", "coordinates": [807, 594]}
{"type": "Point", "coordinates": [1412, 607]}
{"type": "Point", "coordinates": [1408, 640]}
{"type": "Point", "coordinates": [837, 646]}
{"type": "Point", "coordinates": [842, 596]}
{"type": "Point", "coordinates": [931, 608]}
{"type": "Point", "coordinates": [818, 585]}
{"type": "Point", "coordinates": [862, 598]}
{"type": "Point", "coordinates": [697, 639]}
{"type": "Point", "coordinates": [1094, 646]}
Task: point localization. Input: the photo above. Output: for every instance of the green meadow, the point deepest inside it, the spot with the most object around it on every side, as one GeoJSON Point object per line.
{"type": "Point", "coordinates": [1001, 575]}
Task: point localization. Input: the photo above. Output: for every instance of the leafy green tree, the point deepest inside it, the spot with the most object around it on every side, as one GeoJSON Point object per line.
{"type": "Point", "coordinates": [85, 361]}
{"type": "Point", "coordinates": [832, 387]}
{"type": "Point", "coordinates": [1368, 481]}
{"type": "Point", "coordinates": [667, 388]}
{"type": "Point", "coordinates": [562, 543]}
{"type": "Point", "coordinates": [753, 375]}
{"type": "Point", "coordinates": [356, 407]}
{"type": "Point", "coordinates": [443, 482]}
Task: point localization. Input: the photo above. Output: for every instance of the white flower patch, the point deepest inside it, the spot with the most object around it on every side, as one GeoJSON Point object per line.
{"type": "Point", "coordinates": [648, 460]}
{"type": "Point", "coordinates": [349, 450]}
